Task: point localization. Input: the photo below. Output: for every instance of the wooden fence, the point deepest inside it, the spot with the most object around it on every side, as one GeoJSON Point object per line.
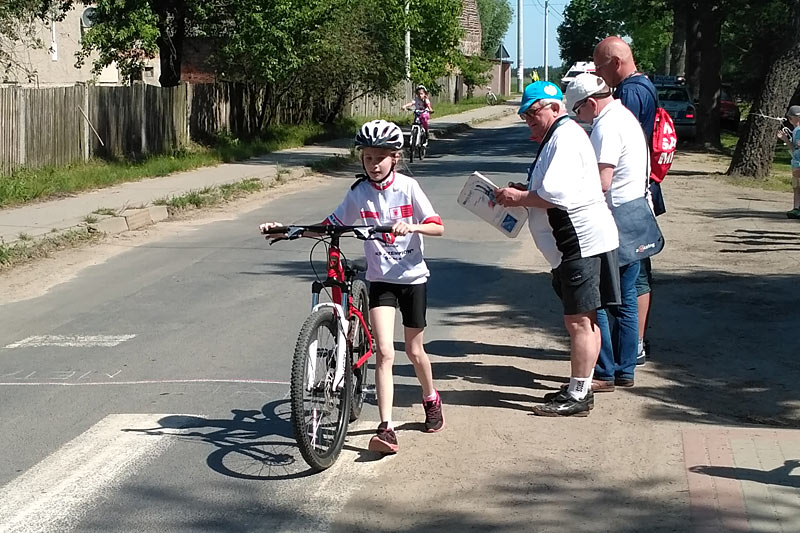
{"type": "Point", "coordinates": [61, 125]}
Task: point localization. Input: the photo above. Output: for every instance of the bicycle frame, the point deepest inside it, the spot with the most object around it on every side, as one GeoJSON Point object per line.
{"type": "Point", "coordinates": [337, 281]}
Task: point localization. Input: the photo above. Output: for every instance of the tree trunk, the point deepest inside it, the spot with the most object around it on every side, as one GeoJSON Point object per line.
{"type": "Point", "coordinates": [756, 148]}
{"type": "Point", "coordinates": [172, 29]}
{"type": "Point", "coordinates": [712, 16]}
{"type": "Point", "coordinates": [677, 51]}
{"type": "Point", "coordinates": [693, 50]}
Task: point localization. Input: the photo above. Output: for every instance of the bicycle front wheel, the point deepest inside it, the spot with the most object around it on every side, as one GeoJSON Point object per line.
{"type": "Point", "coordinates": [320, 411]}
{"type": "Point", "coordinates": [412, 141]}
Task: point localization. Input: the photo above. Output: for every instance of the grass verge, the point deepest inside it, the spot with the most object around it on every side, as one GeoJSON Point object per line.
{"type": "Point", "coordinates": [780, 177]}
{"type": "Point", "coordinates": [24, 251]}
{"type": "Point", "coordinates": [210, 196]}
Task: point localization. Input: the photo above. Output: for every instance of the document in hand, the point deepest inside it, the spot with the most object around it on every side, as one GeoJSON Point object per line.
{"type": "Point", "coordinates": [478, 196]}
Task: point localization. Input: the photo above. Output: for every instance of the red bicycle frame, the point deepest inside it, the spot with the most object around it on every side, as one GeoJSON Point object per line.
{"type": "Point", "coordinates": [337, 281]}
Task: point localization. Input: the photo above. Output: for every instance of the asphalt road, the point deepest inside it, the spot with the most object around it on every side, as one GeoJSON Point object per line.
{"type": "Point", "coordinates": [150, 392]}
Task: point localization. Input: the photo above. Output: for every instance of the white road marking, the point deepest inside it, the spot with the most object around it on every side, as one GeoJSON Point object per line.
{"type": "Point", "coordinates": [139, 382]}
{"type": "Point", "coordinates": [71, 341]}
{"type": "Point", "coordinates": [333, 487]}
{"type": "Point", "coordinates": [54, 494]}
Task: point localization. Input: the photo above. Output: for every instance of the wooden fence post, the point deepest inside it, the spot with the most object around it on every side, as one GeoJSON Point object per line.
{"type": "Point", "coordinates": [86, 132]}
{"type": "Point", "coordinates": [140, 88]}
{"type": "Point", "coordinates": [22, 103]}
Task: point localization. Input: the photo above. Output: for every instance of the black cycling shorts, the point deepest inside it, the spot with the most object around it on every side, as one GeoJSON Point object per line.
{"type": "Point", "coordinates": [412, 299]}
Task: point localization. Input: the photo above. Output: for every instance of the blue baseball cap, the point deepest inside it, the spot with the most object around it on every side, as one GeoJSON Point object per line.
{"type": "Point", "coordinates": [537, 91]}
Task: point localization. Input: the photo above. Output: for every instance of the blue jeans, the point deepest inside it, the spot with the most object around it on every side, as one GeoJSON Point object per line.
{"type": "Point", "coordinates": [620, 342]}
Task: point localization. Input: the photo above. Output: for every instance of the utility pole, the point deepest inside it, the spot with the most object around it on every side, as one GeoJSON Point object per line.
{"type": "Point", "coordinates": [520, 69]}
{"type": "Point", "coordinates": [546, 5]}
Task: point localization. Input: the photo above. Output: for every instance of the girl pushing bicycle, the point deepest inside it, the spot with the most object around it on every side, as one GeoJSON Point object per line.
{"type": "Point", "coordinates": [396, 268]}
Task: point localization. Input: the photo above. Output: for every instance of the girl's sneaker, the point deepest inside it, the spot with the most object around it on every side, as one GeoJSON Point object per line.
{"type": "Point", "coordinates": [434, 419]}
{"type": "Point", "coordinates": [384, 440]}
{"type": "Point", "coordinates": [794, 213]}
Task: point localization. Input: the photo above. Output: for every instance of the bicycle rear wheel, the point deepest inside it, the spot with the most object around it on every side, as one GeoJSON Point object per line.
{"type": "Point", "coordinates": [359, 346]}
{"type": "Point", "coordinates": [320, 413]}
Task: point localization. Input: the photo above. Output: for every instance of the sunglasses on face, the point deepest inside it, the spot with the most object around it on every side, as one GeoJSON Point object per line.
{"type": "Point", "coordinates": [531, 112]}
{"type": "Point", "coordinates": [577, 107]}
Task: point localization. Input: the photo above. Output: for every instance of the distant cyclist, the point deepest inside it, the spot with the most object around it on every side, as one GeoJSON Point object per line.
{"type": "Point", "coordinates": [422, 102]}
{"type": "Point", "coordinates": [534, 76]}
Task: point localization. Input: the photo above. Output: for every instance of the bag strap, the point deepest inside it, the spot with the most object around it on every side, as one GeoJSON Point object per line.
{"type": "Point", "coordinates": [652, 91]}
{"type": "Point", "coordinates": [558, 123]}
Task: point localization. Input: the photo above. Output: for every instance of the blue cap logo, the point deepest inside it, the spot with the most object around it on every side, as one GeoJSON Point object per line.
{"type": "Point", "coordinates": [539, 90]}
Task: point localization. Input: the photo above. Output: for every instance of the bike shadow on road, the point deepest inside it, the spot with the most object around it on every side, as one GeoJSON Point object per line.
{"type": "Point", "coordinates": [254, 444]}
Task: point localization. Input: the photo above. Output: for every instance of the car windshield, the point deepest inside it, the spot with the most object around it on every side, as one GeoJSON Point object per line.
{"type": "Point", "coordinates": [673, 95]}
{"type": "Point", "coordinates": [573, 73]}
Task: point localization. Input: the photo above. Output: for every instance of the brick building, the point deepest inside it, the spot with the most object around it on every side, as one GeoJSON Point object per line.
{"type": "Point", "coordinates": [471, 22]}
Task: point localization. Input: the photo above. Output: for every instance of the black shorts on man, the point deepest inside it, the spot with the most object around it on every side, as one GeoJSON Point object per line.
{"type": "Point", "coordinates": [586, 284]}
{"type": "Point", "coordinates": [412, 300]}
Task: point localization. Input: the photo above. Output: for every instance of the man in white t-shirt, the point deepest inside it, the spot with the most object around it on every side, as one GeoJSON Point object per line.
{"type": "Point", "coordinates": [622, 160]}
{"type": "Point", "coordinates": [572, 226]}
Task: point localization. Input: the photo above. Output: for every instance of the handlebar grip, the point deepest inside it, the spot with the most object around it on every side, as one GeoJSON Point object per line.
{"type": "Point", "coordinates": [278, 230]}
{"type": "Point", "coordinates": [382, 229]}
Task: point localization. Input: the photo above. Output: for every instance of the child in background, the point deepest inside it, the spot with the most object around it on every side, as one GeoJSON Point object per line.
{"type": "Point", "coordinates": [792, 140]}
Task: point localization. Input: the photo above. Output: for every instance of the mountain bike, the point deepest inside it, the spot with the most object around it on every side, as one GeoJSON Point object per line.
{"type": "Point", "coordinates": [418, 141]}
{"type": "Point", "coordinates": [491, 98]}
{"type": "Point", "coordinates": [329, 371]}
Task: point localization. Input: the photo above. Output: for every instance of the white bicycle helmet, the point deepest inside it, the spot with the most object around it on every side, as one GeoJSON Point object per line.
{"type": "Point", "coordinates": [420, 86]}
{"type": "Point", "coordinates": [380, 134]}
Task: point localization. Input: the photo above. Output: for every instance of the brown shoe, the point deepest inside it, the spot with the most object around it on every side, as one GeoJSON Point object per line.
{"type": "Point", "coordinates": [623, 382]}
{"type": "Point", "coordinates": [598, 385]}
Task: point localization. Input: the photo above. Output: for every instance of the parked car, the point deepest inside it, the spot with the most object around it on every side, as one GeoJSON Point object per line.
{"type": "Point", "coordinates": [674, 97]}
{"type": "Point", "coordinates": [729, 115]}
{"type": "Point", "coordinates": [578, 68]}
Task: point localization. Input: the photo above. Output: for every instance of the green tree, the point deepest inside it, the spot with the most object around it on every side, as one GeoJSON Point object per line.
{"type": "Point", "coordinates": [125, 33]}
{"type": "Point", "coordinates": [363, 53]}
{"type": "Point", "coordinates": [475, 71]}
{"type": "Point", "coordinates": [20, 21]}
{"type": "Point", "coordinates": [586, 23]}
{"type": "Point", "coordinates": [435, 35]}
{"type": "Point", "coordinates": [495, 16]}
{"type": "Point", "coordinates": [756, 148]}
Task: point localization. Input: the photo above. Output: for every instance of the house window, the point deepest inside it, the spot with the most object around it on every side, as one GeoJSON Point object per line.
{"type": "Point", "coordinates": [148, 72]}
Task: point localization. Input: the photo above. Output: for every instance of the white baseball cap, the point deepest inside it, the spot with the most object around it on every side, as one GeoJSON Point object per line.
{"type": "Point", "coordinates": [583, 86]}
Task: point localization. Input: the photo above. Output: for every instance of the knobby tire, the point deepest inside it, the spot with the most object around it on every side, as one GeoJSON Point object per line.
{"type": "Point", "coordinates": [320, 452]}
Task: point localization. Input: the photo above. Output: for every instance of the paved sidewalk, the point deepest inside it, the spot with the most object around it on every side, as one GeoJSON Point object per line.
{"type": "Point", "coordinates": [41, 218]}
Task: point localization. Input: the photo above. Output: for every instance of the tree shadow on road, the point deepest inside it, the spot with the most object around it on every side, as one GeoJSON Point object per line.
{"type": "Point", "coordinates": [759, 241]}
{"type": "Point", "coordinates": [547, 496]}
{"type": "Point", "coordinates": [724, 343]}
{"type": "Point", "coordinates": [727, 345]}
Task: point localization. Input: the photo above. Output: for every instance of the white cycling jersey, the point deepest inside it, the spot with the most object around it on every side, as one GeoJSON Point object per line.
{"type": "Point", "coordinates": [397, 198]}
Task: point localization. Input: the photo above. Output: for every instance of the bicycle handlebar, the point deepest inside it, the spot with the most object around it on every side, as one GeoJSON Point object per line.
{"type": "Point", "coordinates": [295, 231]}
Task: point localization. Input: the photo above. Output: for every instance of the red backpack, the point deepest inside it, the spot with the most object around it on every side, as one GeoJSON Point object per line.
{"type": "Point", "coordinates": [662, 149]}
